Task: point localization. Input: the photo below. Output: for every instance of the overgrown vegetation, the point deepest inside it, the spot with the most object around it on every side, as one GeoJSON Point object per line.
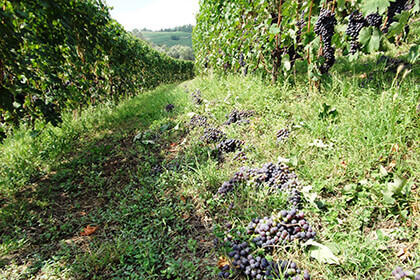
{"type": "Point", "coordinates": [61, 55]}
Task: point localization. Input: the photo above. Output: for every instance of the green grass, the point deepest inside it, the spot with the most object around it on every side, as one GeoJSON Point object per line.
{"type": "Point", "coordinates": [169, 38]}
{"type": "Point", "coordinates": [145, 178]}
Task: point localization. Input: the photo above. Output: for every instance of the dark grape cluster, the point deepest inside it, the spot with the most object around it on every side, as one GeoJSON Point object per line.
{"type": "Point", "coordinates": [198, 121]}
{"type": "Point", "coordinates": [324, 27]}
{"type": "Point", "coordinates": [237, 116]}
{"type": "Point", "coordinates": [240, 156]}
{"type": "Point", "coordinates": [273, 176]}
{"type": "Point", "coordinates": [328, 53]}
{"type": "Point", "coordinates": [225, 273]}
{"type": "Point", "coordinates": [256, 267]}
{"type": "Point", "coordinates": [196, 96]}
{"type": "Point", "coordinates": [300, 25]}
{"type": "Point", "coordinates": [237, 178]}
{"type": "Point", "coordinates": [295, 198]}
{"type": "Point", "coordinates": [374, 19]}
{"type": "Point", "coordinates": [169, 107]}
{"type": "Point", "coordinates": [213, 135]}
{"type": "Point", "coordinates": [356, 23]}
{"type": "Point", "coordinates": [391, 63]}
{"type": "Point", "coordinates": [354, 46]}
{"type": "Point", "coordinates": [400, 273]}
{"type": "Point", "coordinates": [230, 145]}
{"type": "Point", "coordinates": [282, 134]}
{"type": "Point", "coordinates": [281, 228]}
{"type": "Point", "coordinates": [395, 8]}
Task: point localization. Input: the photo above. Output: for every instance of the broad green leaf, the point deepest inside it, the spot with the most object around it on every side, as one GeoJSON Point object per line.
{"type": "Point", "coordinates": [321, 252]}
{"type": "Point", "coordinates": [398, 26]}
{"type": "Point", "coordinates": [341, 5]}
{"type": "Point", "coordinates": [373, 6]}
{"type": "Point", "coordinates": [374, 42]}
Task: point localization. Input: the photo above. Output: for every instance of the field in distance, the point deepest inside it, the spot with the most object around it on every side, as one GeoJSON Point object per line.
{"type": "Point", "coordinates": [168, 38]}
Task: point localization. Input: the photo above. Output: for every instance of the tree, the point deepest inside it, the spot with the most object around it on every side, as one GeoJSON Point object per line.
{"type": "Point", "coordinates": [136, 33]}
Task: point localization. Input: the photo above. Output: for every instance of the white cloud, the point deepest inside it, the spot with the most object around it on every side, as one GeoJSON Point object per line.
{"type": "Point", "coordinates": [158, 14]}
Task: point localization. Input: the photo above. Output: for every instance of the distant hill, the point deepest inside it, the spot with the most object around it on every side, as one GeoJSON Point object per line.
{"type": "Point", "coordinates": [168, 38]}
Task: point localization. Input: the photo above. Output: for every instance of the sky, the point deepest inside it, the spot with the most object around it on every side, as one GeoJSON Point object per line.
{"type": "Point", "coordinates": [153, 14]}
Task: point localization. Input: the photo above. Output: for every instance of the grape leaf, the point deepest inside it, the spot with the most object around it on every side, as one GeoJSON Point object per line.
{"type": "Point", "coordinates": [370, 38]}
{"type": "Point", "coordinates": [373, 6]}
{"type": "Point", "coordinates": [398, 27]}
{"type": "Point", "coordinates": [321, 252]}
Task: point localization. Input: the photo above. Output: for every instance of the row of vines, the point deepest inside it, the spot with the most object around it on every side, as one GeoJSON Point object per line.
{"type": "Point", "coordinates": [59, 55]}
{"type": "Point", "coordinates": [243, 35]}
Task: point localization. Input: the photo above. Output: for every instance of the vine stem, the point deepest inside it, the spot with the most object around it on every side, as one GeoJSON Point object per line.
{"type": "Point", "coordinates": [309, 28]}
{"type": "Point", "coordinates": [263, 62]}
{"type": "Point", "coordinates": [333, 6]}
{"type": "Point", "coordinates": [278, 41]}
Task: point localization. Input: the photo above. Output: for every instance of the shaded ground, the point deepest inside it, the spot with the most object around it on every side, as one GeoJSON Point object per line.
{"type": "Point", "coordinates": [112, 183]}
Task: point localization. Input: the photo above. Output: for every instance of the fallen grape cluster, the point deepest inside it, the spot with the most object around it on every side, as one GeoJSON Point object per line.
{"type": "Point", "coordinates": [230, 145]}
{"type": "Point", "coordinates": [273, 176]}
{"type": "Point", "coordinates": [169, 107]}
{"type": "Point", "coordinates": [196, 97]}
{"type": "Point", "coordinates": [213, 135]}
{"type": "Point", "coordinates": [280, 228]}
{"type": "Point", "coordinates": [240, 156]}
{"type": "Point", "coordinates": [257, 267]}
{"type": "Point", "coordinates": [400, 273]}
{"type": "Point", "coordinates": [237, 116]}
{"type": "Point", "coordinates": [198, 121]}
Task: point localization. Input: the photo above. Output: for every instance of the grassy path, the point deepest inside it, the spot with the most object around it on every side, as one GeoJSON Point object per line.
{"type": "Point", "coordinates": [105, 179]}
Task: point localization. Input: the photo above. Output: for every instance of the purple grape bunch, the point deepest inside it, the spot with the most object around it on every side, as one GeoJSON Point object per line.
{"type": "Point", "coordinates": [196, 97]}
{"type": "Point", "coordinates": [237, 116]}
{"type": "Point", "coordinates": [230, 145]}
{"type": "Point", "coordinates": [257, 267]}
{"type": "Point", "coordinates": [280, 229]}
{"type": "Point", "coordinates": [213, 135]}
{"type": "Point", "coordinates": [400, 273]}
{"type": "Point", "coordinates": [198, 121]}
{"type": "Point", "coordinates": [270, 175]}
{"type": "Point", "coordinates": [324, 27]}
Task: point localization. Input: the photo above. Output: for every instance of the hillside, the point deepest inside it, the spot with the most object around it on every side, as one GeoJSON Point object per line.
{"type": "Point", "coordinates": [168, 38]}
